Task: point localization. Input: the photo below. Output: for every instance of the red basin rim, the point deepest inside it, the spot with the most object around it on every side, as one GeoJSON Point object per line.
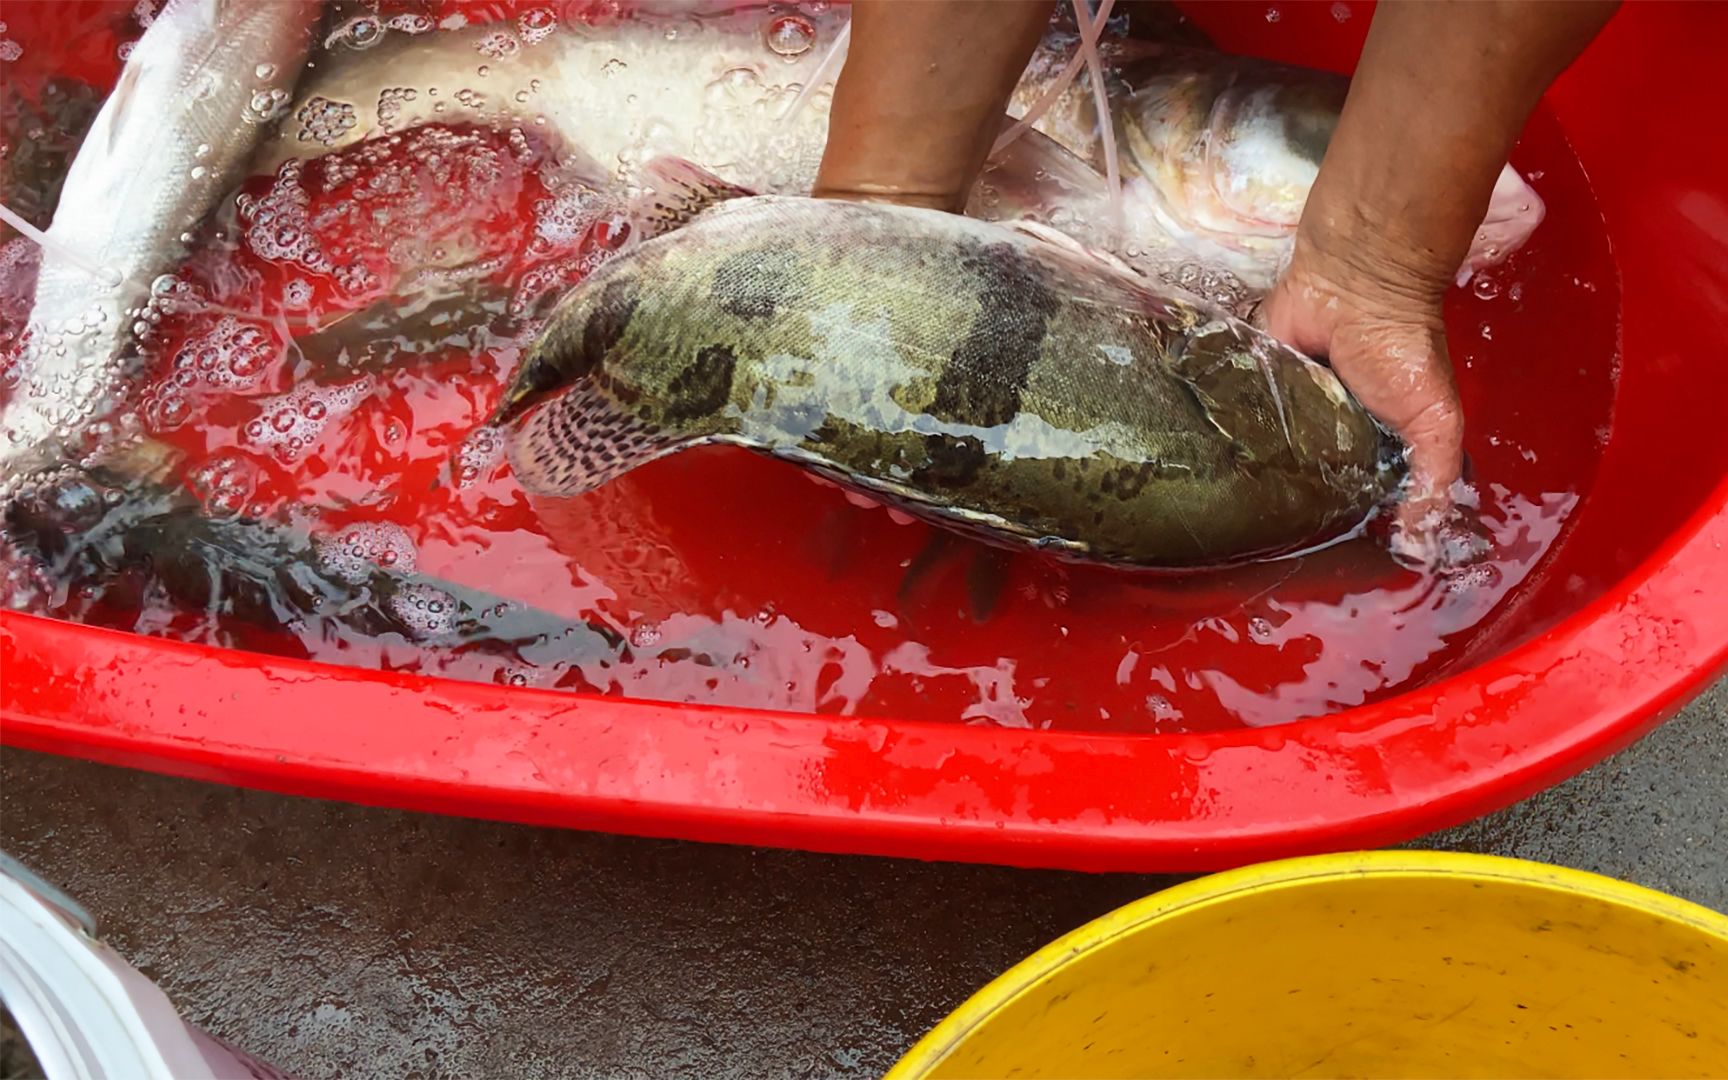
{"type": "Point", "coordinates": [1382, 773]}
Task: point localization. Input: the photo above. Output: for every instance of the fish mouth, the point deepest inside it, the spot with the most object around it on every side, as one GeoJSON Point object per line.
{"type": "Point", "coordinates": [517, 401]}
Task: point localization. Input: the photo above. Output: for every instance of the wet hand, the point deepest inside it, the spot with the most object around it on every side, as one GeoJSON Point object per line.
{"type": "Point", "coordinates": [1377, 320]}
{"type": "Point", "coordinates": [1438, 99]}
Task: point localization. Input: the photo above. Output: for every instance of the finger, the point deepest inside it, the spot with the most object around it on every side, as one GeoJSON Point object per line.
{"type": "Point", "coordinates": [1435, 456]}
{"type": "Point", "coordinates": [1291, 313]}
{"type": "Point", "coordinates": [1401, 373]}
{"type": "Point", "coordinates": [1435, 436]}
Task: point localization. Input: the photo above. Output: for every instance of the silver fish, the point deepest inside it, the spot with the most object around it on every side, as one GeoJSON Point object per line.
{"type": "Point", "coordinates": [1218, 152]}
{"type": "Point", "coordinates": [175, 136]}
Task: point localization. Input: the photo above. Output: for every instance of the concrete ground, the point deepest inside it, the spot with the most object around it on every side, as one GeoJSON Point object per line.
{"type": "Point", "coordinates": [337, 940]}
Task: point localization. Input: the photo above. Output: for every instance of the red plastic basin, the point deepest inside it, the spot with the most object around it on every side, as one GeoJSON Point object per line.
{"type": "Point", "coordinates": [1638, 622]}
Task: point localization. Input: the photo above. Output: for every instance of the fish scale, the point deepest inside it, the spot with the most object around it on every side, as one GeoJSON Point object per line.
{"type": "Point", "coordinates": [977, 376]}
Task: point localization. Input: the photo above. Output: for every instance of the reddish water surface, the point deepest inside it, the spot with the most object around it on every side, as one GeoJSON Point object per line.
{"type": "Point", "coordinates": [735, 579]}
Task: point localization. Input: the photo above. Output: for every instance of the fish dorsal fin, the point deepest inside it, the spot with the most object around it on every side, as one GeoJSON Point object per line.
{"type": "Point", "coordinates": [674, 192]}
{"type": "Point", "coordinates": [1056, 238]}
{"type": "Point", "coordinates": [1099, 277]}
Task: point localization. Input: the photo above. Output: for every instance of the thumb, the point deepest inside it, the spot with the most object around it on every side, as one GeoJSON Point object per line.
{"type": "Point", "coordinates": [1295, 315]}
{"type": "Point", "coordinates": [1400, 371]}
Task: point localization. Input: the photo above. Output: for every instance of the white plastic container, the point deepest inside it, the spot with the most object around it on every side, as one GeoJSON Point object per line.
{"type": "Point", "coordinates": [87, 1013]}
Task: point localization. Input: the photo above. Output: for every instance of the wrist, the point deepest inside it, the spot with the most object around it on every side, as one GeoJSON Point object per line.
{"type": "Point", "coordinates": [1366, 249]}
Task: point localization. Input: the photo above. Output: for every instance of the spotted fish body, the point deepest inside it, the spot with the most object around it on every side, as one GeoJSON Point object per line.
{"type": "Point", "coordinates": [978, 377]}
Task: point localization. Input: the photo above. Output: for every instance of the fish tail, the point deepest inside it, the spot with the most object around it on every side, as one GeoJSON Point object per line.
{"type": "Point", "coordinates": [585, 438]}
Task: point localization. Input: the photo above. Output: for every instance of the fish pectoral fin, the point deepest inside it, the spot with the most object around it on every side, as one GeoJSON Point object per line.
{"type": "Point", "coordinates": [582, 439]}
{"type": "Point", "coordinates": [115, 110]}
{"type": "Point", "coordinates": [1206, 405]}
{"type": "Point", "coordinates": [675, 191]}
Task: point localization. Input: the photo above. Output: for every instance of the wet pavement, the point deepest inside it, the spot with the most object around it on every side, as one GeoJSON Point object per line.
{"type": "Point", "coordinates": [341, 940]}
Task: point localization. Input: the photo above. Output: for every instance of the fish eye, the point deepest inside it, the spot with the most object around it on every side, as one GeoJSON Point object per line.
{"type": "Point", "coordinates": [541, 375]}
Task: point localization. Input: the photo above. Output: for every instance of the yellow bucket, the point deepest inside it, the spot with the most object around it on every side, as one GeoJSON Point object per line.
{"type": "Point", "coordinates": [1393, 963]}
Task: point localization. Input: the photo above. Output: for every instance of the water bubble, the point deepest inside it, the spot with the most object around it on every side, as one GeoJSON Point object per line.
{"type": "Point", "coordinates": [352, 556]}
{"type": "Point", "coordinates": [288, 424]}
{"type": "Point", "coordinates": [199, 172]}
{"type": "Point", "coordinates": [1487, 332]}
{"type": "Point", "coordinates": [390, 102]}
{"type": "Point", "coordinates": [611, 67]}
{"type": "Point", "coordinates": [479, 453]}
{"type": "Point", "coordinates": [791, 36]}
{"type": "Point", "coordinates": [1273, 15]}
{"type": "Point", "coordinates": [266, 106]}
{"type": "Point", "coordinates": [425, 611]}
{"type": "Point", "coordinates": [1486, 287]}
{"type": "Point", "coordinates": [536, 24]}
{"type": "Point", "coordinates": [1340, 12]}
{"type": "Point", "coordinates": [265, 71]}
{"type": "Point", "coordinates": [1161, 708]}
{"type": "Point", "coordinates": [171, 412]}
{"type": "Point", "coordinates": [1260, 628]}
{"type": "Point", "coordinates": [361, 32]}
{"type": "Point", "coordinates": [324, 121]}
{"type": "Point", "coordinates": [499, 45]}
{"type": "Point", "coordinates": [411, 24]}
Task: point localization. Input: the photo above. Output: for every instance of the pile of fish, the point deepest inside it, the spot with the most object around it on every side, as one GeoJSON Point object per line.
{"type": "Point", "coordinates": [1039, 374]}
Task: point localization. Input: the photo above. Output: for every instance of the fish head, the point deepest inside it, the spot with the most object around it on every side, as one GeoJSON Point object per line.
{"type": "Point", "coordinates": [585, 329]}
{"type": "Point", "coordinates": [1231, 147]}
{"type": "Point", "coordinates": [534, 381]}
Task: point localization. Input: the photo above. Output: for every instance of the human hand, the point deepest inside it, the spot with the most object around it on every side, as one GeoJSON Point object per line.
{"type": "Point", "coordinates": [1377, 319]}
{"type": "Point", "coordinates": [1412, 171]}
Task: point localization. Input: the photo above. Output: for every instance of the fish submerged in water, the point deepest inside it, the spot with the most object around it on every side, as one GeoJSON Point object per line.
{"type": "Point", "coordinates": [1218, 152]}
{"type": "Point", "coordinates": [114, 529]}
{"type": "Point", "coordinates": [994, 380]}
